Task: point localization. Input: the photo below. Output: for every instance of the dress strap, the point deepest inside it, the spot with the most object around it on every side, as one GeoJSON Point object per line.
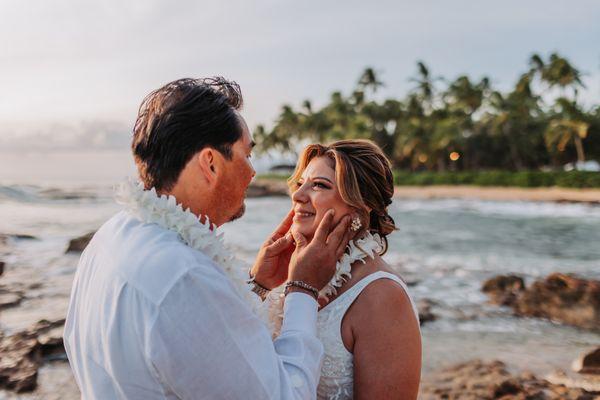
{"type": "Point", "coordinates": [348, 297]}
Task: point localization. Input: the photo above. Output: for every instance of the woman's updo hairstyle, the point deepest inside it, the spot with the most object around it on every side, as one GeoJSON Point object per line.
{"type": "Point", "coordinates": [364, 179]}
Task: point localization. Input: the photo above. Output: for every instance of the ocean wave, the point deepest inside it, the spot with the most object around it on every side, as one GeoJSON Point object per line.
{"type": "Point", "coordinates": [38, 194]}
{"type": "Point", "coordinates": [525, 209]}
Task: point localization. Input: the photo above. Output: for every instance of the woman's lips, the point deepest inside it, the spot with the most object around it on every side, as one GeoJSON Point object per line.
{"type": "Point", "coordinates": [300, 215]}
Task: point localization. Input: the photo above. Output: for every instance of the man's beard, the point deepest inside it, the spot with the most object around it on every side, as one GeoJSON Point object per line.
{"type": "Point", "coordinates": [238, 213]}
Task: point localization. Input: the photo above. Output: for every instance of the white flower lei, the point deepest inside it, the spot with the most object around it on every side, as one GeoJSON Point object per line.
{"type": "Point", "coordinates": [367, 246]}
{"type": "Point", "coordinates": [149, 207]}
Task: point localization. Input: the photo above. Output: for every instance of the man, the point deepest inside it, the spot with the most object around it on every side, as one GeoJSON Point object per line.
{"type": "Point", "coordinates": [153, 312]}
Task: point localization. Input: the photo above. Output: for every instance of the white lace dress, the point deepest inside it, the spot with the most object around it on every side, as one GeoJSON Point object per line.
{"type": "Point", "coordinates": [337, 373]}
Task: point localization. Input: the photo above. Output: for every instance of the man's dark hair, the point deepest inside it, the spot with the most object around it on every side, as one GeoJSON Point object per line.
{"type": "Point", "coordinates": [180, 119]}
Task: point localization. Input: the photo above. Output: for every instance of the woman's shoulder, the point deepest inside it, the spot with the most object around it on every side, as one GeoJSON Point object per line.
{"type": "Point", "coordinates": [385, 296]}
{"type": "Point", "coordinates": [385, 288]}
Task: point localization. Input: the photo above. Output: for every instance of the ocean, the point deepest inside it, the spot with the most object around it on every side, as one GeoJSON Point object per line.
{"type": "Point", "coordinates": [445, 249]}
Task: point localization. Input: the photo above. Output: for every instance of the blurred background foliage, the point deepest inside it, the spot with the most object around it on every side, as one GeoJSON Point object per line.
{"type": "Point", "coordinates": [464, 130]}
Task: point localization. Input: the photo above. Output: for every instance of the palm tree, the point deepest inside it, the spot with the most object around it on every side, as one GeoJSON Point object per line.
{"type": "Point", "coordinates": [425, 89]}
{"type": "Point", "coordinates": [369, 80]}
{"type": "Point", "coordinates": [464, 96]}
{"type": "Point", "coordinates": [569, 126]}
{"type": "Point", "coordinates": [514, 116]}
{"type": "Point", "coordinates": [557, 72]}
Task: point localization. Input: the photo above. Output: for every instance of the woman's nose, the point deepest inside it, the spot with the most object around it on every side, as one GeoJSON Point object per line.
{"type": "Point", "coordinates": [299, 196]}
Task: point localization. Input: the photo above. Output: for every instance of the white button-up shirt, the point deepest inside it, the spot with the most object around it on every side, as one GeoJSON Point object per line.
{"type": "Point", "coordinates": [152, 318]}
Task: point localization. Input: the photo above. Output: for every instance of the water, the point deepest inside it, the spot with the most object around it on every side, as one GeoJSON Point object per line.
{"type": "Point", "coordinates": [450, 247]}
{"type": "Point", "coordinates": [447, 248]}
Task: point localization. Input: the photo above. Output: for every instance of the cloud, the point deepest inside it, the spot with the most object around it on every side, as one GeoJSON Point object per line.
{"type": "Point", "coordinates": [62, 136]}
{"type": "Point", "coordinates": [68, 61]}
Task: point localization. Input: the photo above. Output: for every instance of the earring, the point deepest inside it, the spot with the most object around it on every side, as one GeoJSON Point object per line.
{"type": "Point", "coordinates": [356, 224]}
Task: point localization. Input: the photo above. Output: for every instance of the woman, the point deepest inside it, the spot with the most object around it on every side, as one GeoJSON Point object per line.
{"type": "Point", "coordinates": [369, 326]}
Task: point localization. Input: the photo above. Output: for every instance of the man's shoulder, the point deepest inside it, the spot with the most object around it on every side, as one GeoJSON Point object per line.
{"type": "Point", "coordinates": [147, 257]}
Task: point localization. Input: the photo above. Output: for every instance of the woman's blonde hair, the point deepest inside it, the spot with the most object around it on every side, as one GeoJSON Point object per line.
{"type": "Point", "coordinates": [364, 179]}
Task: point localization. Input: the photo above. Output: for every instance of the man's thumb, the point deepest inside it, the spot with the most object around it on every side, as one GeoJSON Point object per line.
{"type": "Point", "coordinates": [300, 240]}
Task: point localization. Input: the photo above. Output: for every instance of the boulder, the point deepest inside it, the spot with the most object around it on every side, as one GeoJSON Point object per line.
{"type": "Point", "coordinates": [51, 342]}
{"type": "Point", "coordinates": [588, 363]}
{"type": "Point", "coordinates": [19, 363]}
{"type": "Point", "coordinates": [22, 353]}
{"type": "Point", "coordinates": [504, 289]}
{"type": "Point", "coordinates": [425, 314]}
{"type": "Point", "coordinates": [563, 298]}
{"type": "Point", "coordinates": [80, 243]}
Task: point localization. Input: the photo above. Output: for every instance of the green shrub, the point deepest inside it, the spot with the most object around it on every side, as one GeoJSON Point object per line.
{"type": "Point", "coordinates": [572, 179]}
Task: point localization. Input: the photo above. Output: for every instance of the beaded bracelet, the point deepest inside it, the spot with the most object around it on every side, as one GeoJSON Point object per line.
{"type": "Point", "coordinates": [301, 285]}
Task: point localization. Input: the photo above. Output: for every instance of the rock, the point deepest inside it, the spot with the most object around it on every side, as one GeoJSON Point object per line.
{"type": "Point", "coordinates": [504, 289]}
{"type": "Point", "coordinates": [5, 236]}
{"type": "Point", "coordinates": [491, 380]}
{"type": "Point", "coordinates": [508, 387]}
{"type": "Point", "coordinates": [9, 299]}
{"type": "Point", "coordinates": [19, 363]}
{"type": "Point", "coordinates": [23, 236]}
{"type": "Point", "coordinates": [2, 265]}
{"type": "Point", "coordinates": [590, 383]}
{"type": "Point", "coordinates": [51, 342]}
{"type": "Point", "coordinates": [588, 363]}
{"type": "Point", "coordinates": [563, 298]}
{"type": "Point", "coordinates": [425, 314]}
{"type": "Point", "coordinates": [80, 243]}
{"type": "Point", "coordinates": [21, 354]}
{"type": "Point", "coordinates": [265, 188]}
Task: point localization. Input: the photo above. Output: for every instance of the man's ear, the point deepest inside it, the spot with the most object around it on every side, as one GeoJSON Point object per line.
{"type": "Point", "coordinates": [207, 164]}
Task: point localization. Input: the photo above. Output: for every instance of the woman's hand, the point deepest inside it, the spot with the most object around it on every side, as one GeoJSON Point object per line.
{"type": "Point", "coordinates": [271, 266]}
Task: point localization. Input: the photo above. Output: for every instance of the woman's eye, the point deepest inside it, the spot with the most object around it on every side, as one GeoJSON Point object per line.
{"type": "Point", "coordinates": [320, 185]}
{"type": "Point", "coordinates": [298, 184]}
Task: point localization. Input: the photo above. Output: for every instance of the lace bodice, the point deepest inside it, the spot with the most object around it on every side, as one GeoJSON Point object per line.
{"type": "Point", "coordinates": [337, 373]}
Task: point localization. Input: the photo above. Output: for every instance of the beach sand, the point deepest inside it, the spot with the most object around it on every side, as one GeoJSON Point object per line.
{"type": "Point", "coordinates": [555, 194]}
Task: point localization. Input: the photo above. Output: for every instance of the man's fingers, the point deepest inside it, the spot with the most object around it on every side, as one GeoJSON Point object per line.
{"type": "Point", "coordinates": [334, 240]}
{"type": "Point", "coordinates": [280, 244]}
{"type": "Point", "coordinates": [285, 225]}
{"type": "Point", "coordinates": [324, 227]}
{"type": "Point", "coordinates": [344, 243]}
{"type": "Point", "coordinates": [300, 240]}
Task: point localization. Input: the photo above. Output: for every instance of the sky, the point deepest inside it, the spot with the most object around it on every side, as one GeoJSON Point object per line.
{"type": "Point", "coordinates": [73, 73]}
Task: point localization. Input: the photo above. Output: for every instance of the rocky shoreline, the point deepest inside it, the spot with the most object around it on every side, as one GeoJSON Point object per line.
{"type": "Point", "coordinates": [33, 353]}
{"type": "Point", "coordinates": [481, 380]}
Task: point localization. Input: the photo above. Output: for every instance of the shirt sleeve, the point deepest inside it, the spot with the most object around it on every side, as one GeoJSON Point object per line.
{"type": "Point", "coordinates": [205, 343]}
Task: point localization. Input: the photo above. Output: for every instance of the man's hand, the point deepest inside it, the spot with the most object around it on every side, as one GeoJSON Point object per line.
{"type": "Point", "coordinates": [271, 266]}
{"type": "Point", "coordinates": [314, 262]}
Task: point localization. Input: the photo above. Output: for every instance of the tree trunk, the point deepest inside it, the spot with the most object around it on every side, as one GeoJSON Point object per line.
{"type": "Point", "coordinates": [579, 148]}
{"type": "Point", "coordinates": [441, 165]}
{"type": "Point", "coordinates": [512, 148]}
